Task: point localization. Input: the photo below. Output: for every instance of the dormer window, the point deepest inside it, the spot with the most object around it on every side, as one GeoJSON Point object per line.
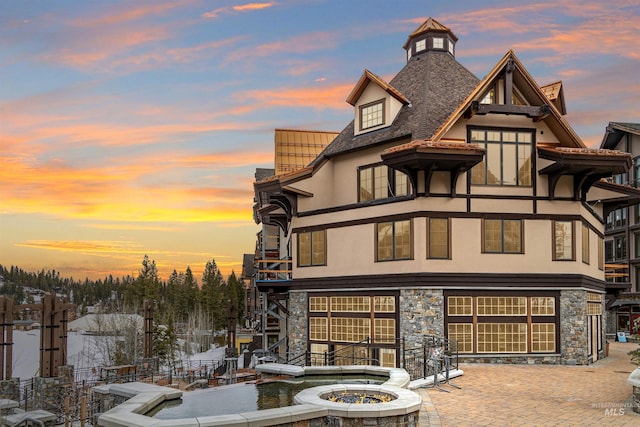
{"type": "Point", "coordinates": [421, 45]}
{"type": "Point", "coordinates": [372, 115]}
{"type": "Point", "coordinates": [438, 43]}
{"type": "Point", "coordinates": [451, 47]}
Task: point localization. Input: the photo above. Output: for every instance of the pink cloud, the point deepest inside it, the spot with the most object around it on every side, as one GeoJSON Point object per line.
{"type": "Point", "coordinates": [247, 7]}
{"type": "Point", "coordinates": [323, 96]}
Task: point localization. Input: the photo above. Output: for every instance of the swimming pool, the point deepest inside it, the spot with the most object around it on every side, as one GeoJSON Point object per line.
{"type": "Point", "coordinates": [246, 397]}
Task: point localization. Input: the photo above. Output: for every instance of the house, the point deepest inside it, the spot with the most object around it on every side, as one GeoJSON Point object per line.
{"type": "Point", "coordinates": [106, 324]}
{"type": "Point", "coordinates": [622, 235]}
{"type": "Point", "coordinates": [450, 205]}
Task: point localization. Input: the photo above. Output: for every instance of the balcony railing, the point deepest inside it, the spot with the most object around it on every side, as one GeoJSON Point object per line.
{"type": "Point", "coordinates": [274, 269]}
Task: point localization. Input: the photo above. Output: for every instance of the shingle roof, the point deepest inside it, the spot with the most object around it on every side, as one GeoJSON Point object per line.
{"type": "Point", "coordinates": [435, 84]}
{"type": "Point", "coordinates": [615, 131]}
{"type": "Point", "coordinates": [367, 77]}
{"type": "Point", "coordinates": [430, 25]}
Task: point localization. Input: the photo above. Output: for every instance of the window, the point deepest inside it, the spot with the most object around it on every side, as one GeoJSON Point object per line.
{"type": "Point", "coordinates": [636, 172]}
{"type": "Point", "coordinates": [616, 219]}
{"type": "Point", "coordinates": [507, 159]}
{"type": "Point", "coordinates": [347, 329]}
{"type": "Point", "coordinates": [543, 306]}
{"type": "Point", "coordinates": [616, 249]}
{"type": "Point", "coordinates": [340, 318]}
{"type": "Point", "coordinates": [620, 178]}
{"type": "Point", "coordinates": [355, 304]}
{"type": "Point", "coordinates": [384, 331]}
{"type": "Point", "coordinates": [502, 337]}
{"type": "Point", "coordinates": [502, 236]}
{"type": "Point", "coordinates": [393, 240]}
{"type": "Point", "coordinates": [600, 253]}
{"type": "Point", "coordinates": [620, 248]}
{"type": "Point", "coordinates": [563, 240]}
{"type": "Point", "coordinates": [450, 47]}
{"type": "Point", "coordinates": [585, 244]}
{"type": "Point", "coordinates": [384, 304]}
{"type": "Point", "coordinates": [459, 306]}
{"type": "Point", "coordinates": [438, 238]}
{"type": "Point", "coordinates": [372, 115]}
{"type": "Point", "coordinates": [608, 251]}
{"type": "Point", "coordinates": [463, 334]}
{"type": "Point", "coordinates": [502, 323]}
{"type": "Point", "coordinates": [318, 304]}
{"type": "Point", "coordinates": [543, 337]}
{"type": "Point", "coordinates": [318, 329]}
{"type": "Point", "coordinates": [502, 306]}
{"type": "Point", "coordinates": [421, 45]}
{"type": "Point", "coordinates": [382, 182]}
{"type": "Point", "coordinates": [438, 43]}
{"type": "Point", "coordinates": [312, 248]}
{"type": "Point", "coordinates": [489, 97]}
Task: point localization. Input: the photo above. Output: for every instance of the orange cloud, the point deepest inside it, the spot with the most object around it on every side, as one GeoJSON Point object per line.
{"type": "Point", "coordinates": [303, 43]}
{"type": "Point", "coordinates": [247, 7]}
{"type": "Point", "coordinates": [108, 192]}
{"type": "Point", "coordinates": [127, 15]}
{"type": "Point", "coordinates": [100, 247]}
{"type": "Point", "coordinates": [318, 97]}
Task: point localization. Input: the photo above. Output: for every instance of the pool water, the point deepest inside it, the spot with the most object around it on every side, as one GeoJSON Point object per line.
{"type": "Point", "coordinates": [246, 397]}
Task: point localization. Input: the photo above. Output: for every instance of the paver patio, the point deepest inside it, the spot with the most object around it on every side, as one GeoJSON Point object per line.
{"type": "Point", "coordinates": [537, 395]}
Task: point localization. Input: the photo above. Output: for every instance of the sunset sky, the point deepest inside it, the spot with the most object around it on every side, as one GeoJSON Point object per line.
{"type": "Point", "coordinates": [135, 127]}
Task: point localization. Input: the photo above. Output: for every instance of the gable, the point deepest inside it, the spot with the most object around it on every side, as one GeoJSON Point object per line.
{"type": "Point", "coordinates": [509, 90]}
{"type": "Point", "coordinates": [376, 103]}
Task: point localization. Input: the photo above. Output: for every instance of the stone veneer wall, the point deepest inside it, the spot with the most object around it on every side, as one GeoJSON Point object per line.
{"type": "Point", "coordinates": [573, 327]}
{"type": "Point", "coordinates": [421, 313]}
{"type": "Point", "coordinates": [10, 389]}
{"type": "Point", "coordinates": [605, 325]}
{"type": "Point", "coordinates": [297, 322]}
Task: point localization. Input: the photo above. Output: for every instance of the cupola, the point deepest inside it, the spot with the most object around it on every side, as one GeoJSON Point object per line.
{"type": "Point", "coordinates": [431, 36]}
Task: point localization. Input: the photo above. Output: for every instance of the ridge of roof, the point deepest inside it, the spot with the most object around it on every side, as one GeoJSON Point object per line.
{"type": "Point", "coordinates": [368, 76]}
{"type": "Point", "coordinates": [626, 126]}
{"type": "Point", "coordinates": [484, 84]}
{"type": "Point", "coordinates": [615, 131]}
{"type": "Point", "coordinates": [434, 82]}
{"type": "Point", "coordinates": [430, 25]}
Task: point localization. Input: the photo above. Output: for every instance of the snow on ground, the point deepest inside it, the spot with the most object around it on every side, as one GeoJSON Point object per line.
{"type": "Point", "coordinates": [82, 352]}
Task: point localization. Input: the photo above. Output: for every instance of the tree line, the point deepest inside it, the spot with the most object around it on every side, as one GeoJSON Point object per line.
{"type": "Point", "coordinates": [179, 299]}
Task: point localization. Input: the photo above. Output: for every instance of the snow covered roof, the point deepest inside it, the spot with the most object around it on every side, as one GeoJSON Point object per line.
{"type": "Point", "coordinates": [105, 323]}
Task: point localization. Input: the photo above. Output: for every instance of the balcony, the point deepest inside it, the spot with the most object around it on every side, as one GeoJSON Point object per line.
{"type": "Point", "coordinates": [274, 275]}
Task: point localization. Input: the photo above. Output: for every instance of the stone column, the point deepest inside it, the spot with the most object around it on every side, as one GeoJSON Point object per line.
{"type": "Point", "coordinates": [421, 312]}
{"type": "Point", "coordinates": [573, 328]}
{"type": "Point", "coordinates": [298, 327]}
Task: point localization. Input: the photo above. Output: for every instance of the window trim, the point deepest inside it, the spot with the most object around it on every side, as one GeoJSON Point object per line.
{"type": "Point", "coordinates": [448, 220]}
{"type": "Point", "coordinates": [501, 143]}
{"type": "Point", "coordinates": [586, 244]}
{"type": "Point", "coordinates": [393, 228]}
{"type": "Point", "coordinates": [502, 251]}
{"type": "Point", "coordinates": [573, 241]}
{"type": "Point", "coordinates": [392, 183]}
{"type": "Point", "coordinates": [361, 109]}
{"type": "Point", "coordinates": [529, 319]}
{"type": "Point", "coordinates": [298, 257]}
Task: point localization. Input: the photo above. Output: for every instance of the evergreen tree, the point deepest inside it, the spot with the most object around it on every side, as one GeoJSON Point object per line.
{"type": "Point", "coordinates": [212, 295]}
